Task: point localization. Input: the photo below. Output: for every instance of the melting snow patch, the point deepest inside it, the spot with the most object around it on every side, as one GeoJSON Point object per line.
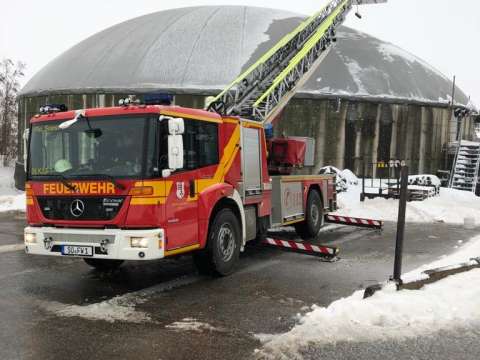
{"type": "Point", "coordinates": [390, 51]}
{"type": "Point", "coordinates": [116, 309]}
{"type": "Point", "coordinates": [356, 72]}
{"type": "Point", "coordinates": [119, 308]}
{"type": "Point", "coordinates": [388, 314]}
{"type": "Point", "coordinates": [192, 324]}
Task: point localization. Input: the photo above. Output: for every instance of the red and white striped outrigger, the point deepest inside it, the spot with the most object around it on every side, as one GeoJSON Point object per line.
{"type": "Point", "coordinates": [347, 220]}
{"type": "Point", "coordinates": [302, 247]}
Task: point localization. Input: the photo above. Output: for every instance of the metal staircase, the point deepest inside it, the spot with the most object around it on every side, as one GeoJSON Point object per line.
{"type": "Point", "coordinates": [466, 167]}
{"type": "Point", "coordinates": [264, 89]}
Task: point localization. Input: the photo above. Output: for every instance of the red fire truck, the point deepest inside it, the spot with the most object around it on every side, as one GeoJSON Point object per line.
{"type": "Point", "coordinates": [144, 181]}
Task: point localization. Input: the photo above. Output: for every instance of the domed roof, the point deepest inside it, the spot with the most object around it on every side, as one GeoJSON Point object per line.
{"type": "Point", "coordinates": [202, 49]}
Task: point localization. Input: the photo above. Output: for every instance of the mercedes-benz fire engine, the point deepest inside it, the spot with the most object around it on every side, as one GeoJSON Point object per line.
{"type": "Point", "coordinates": [145, 181]}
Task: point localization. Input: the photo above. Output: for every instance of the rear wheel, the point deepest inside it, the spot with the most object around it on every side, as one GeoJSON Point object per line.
{"type": "Point", "coordinates": [310, 228]}
{"type": "Point", "coordinates": [103, 264]}
{"type": "Point", "coordinates": [223, 246]}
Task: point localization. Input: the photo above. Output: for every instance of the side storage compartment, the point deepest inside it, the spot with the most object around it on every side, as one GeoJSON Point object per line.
{"type": "Point", "coordinates": [287, 200]}
{"type": "Point", "coordinates": [251, 161]}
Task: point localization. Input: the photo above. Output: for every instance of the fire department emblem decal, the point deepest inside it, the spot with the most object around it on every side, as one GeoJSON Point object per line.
{"type": "Point", "coordinates": [180, 190]}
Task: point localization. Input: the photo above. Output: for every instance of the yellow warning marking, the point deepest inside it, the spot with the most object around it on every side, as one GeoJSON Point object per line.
{"type": "Point", "coordinates": [181, 250]}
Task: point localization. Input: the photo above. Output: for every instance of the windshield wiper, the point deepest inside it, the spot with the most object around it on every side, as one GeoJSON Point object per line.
{"type": "Point", "coordinates": [106, 177]}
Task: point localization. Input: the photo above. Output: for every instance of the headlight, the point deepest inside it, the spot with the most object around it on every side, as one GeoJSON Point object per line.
{"type": "Point", "coordinates": [139, 242]}
{"type": "Point", "coordinates": [30, 238]}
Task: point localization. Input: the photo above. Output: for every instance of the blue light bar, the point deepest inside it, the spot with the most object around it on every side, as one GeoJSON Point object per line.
{"type": "Point", "coordinates": [51, 108]}
{"type": "Point", "coordinates": [158, 99]}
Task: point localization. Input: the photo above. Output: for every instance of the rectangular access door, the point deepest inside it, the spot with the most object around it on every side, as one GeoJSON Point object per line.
{"type": "Point", "coordinates": [251, 164]}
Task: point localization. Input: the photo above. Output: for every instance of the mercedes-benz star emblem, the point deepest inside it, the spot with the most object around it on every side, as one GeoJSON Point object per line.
{"type": "Point", "coordinates": [77, 207]}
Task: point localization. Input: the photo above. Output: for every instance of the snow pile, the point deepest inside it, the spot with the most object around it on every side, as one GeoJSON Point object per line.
{"type": "Point", "coordinates": [191, 324]}
{"type": "Point", "coordinates": [119, 308]}
{"type": "Point", "coordinates": [10, 198]}
{"type": "Point", "coordinates": [388, 314]}
{"type": "Point", "coordinates": [450, 206]}
{"type": "Point", "coordinates": [350, 177]}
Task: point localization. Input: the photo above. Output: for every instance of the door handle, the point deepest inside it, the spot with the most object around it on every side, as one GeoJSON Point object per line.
{"type": "Point", "coordinates": [192, 188]}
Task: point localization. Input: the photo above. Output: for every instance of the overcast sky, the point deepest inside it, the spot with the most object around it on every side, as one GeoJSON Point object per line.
{"type": "Point", "coordinates": [445, 33]}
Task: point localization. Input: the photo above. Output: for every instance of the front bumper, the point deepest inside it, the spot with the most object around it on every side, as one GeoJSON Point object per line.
{"type": "Point", "coordinates": [112, 244]}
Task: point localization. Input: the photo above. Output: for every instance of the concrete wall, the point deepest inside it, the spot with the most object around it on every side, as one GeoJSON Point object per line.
{"type": "Point", "coordinates": [346, 132]}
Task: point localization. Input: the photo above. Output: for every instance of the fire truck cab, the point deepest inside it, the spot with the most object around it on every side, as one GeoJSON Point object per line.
{"type": "Point", "coordinates": [144, 182]}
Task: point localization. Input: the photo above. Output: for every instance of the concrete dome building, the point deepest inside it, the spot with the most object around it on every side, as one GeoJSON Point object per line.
{"type": "Point", "coordinates": [368, 100]}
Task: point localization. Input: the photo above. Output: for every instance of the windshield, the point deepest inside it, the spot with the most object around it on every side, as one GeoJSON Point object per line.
{"type": "Point", "coordinates": [115, 146]}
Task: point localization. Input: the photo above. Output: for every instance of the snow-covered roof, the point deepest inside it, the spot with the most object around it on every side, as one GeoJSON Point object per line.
{"type": "Point", "coordinates": [202, 49]}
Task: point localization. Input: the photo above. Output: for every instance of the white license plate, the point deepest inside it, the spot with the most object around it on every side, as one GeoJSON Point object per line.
{"type": "Point", "coordinates": [77, 250]}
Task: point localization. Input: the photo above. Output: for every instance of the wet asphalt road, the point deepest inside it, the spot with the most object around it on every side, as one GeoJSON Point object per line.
{"type": "Point", "coordinates": [263, 296]}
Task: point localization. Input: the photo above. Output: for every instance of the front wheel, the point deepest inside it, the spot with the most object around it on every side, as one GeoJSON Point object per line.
{"type": "Point", "coordinates": [223, 246]}
{"type": "Point", "coordinates": [103, 264]}
{"type": "Point", "coordinates": [310, 227]}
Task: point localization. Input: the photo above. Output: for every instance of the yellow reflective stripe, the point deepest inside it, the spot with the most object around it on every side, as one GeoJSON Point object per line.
{"type": "Point", "coordinates": [293, 221]}
{"type": "Point", "coordinates": [251, 124]}
{"type": "Point", "coordinates": [181, 250]}
{"type": "Point", "coordinates": [190, 116]}
{"type": "Point", "coordinates": [230, 121]}
{"type": "Point", "coordinates": [160, 187]}
{"type": "Point", "coordinates": [229, 153]}
{"type": "Point", "coordinates": [293, 178]}
{"type": "Point", "coordinates": [161, 190]}
{"type": "Point", "coordinates": [148, 200]}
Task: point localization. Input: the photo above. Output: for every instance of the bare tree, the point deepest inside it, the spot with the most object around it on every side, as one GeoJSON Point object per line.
{"type": "Point", "coordinates": [10, 74]}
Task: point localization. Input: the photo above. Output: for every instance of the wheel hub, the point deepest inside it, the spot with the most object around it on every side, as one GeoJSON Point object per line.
{"type": "Point", "coordinates": [226, 242]}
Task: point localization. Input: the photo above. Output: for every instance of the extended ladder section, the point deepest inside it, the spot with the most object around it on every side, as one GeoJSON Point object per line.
{"type": "Point", "coordinates": [466, 167]}
{"type": "Point", "coordinates": [264, 89]}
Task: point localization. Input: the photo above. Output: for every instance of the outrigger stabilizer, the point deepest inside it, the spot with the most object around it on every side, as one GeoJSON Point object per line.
{"type": "Point", "coordinates": [328, 253]}
{"type": "Point", "coordinates": [353, 221]}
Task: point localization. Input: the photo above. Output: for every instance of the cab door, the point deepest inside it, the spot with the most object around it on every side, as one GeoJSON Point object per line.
{"type": "Point", "coordinates": [200, 142]}
{"type": "Point", "coordinates": [182, 211]}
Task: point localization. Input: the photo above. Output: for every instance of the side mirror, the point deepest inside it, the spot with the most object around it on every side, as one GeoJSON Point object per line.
{"type": "Point", "coordinates": [176, 126]}
{"type": "Point", "coordinates": [175, 152]}
{"type": "Point", "coordinates": [26, 135]}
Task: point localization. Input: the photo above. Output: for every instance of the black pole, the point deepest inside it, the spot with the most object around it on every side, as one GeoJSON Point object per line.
{"type": "Point", "coordinates": [402, 207]}
{"type": "Point", "coordinates": [362, 195]}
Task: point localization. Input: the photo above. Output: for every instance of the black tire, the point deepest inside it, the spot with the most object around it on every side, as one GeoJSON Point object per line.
{"type": "Point", "coordinates": [103, 264]}
{"type": "Point", "coordinates": [220, 257]}
{"type": "Point", "coordinates": [310, 228]}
